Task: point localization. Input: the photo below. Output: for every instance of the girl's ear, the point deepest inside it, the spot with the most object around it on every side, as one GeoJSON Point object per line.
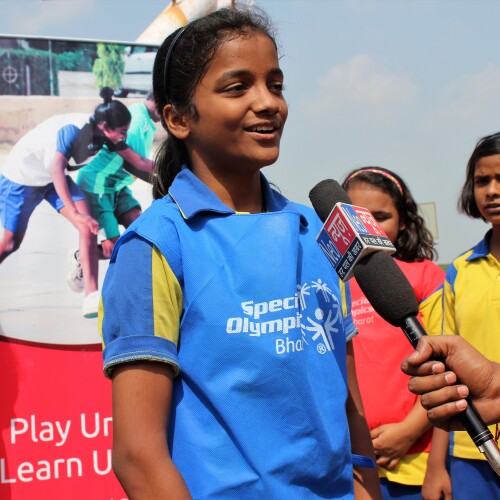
{"type": "Point", "coordinates": [178, 125]}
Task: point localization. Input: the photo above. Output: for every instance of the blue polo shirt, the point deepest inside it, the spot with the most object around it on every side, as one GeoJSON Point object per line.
{"type": "Point", "coordinates": [250, 314]}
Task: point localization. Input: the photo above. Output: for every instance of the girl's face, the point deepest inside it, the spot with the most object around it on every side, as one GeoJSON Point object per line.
{"type": "Point", "coordinates": [241, 108]}
{"type": "Point", "coordinates": [114, 135]}
{"type": "Point", "coordinates": [380, 204]}
{"type": "Point", "coordinates": [487, 188]}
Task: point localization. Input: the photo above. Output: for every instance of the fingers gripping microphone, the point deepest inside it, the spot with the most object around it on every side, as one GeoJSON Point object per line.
{"type": "Point", "coordinates": [389, 292]}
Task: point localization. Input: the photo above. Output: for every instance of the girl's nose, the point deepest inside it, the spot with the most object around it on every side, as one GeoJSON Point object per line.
{"type": "Point", "coordinates": [267, 101]}
{"type": "Point", "coordinates": [494, 188]}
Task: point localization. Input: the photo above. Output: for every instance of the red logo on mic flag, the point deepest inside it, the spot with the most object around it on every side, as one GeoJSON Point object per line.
{"type": "Point", "coordinates": [349, 234]}
{"type": "Point", "coordinates": [339, 230]}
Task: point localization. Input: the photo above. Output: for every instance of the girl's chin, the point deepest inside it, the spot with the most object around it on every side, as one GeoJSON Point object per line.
{"type": "Point", "coordinates": [269, 159]}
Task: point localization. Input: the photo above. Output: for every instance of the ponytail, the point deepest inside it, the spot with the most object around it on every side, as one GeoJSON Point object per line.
{"type": "Point", "coordinates": [111, 112]}
{"type": "Point", "coordinates": [168, 161]}
{"type": "Point", "coordinates": [106, 93]}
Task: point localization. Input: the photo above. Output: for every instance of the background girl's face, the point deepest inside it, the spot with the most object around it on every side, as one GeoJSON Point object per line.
{"type": "Point", "coordinates": [380, 204]}
{"type": "Point", "coordinates": [487, 188]}
{"type": "Point", "coordinates": [115, 135]}
{"type": "Point", "coordinates": [241, 108]}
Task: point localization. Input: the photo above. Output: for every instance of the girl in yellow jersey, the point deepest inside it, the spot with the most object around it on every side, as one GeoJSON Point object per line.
{"type": "Point", "coordinates": [472, 310]}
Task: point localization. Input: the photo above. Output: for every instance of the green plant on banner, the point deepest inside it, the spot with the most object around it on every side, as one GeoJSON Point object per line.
{"type": "Point", "coordinates": [109, 65]}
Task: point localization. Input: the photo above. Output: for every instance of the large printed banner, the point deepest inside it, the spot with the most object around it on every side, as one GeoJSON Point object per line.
{"type": "Point", "coordinates": [56, 425]}
{"type": "Point", "coordinates": [55, 404]}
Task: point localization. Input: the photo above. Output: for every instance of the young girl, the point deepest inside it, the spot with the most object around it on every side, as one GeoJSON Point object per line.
{"type": "Point", "coordinates": [399, 426]}
{"type": "Point", "coordinates": [472, 310]}
{"type": "Point", "coordinates": [225, 330]}
{"type": "Point", "coordinates": [35, 170]}
{"type": "Point", "coordinates": [106, 178]}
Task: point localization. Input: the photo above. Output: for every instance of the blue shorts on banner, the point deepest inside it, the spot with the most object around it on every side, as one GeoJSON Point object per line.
{"type": "Point", "coordinates": [17, 201]}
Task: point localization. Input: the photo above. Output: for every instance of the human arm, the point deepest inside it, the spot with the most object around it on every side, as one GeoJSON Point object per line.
{"type": "Point", "coordinates": [142, 396]}
{"type": "Point", "coordinates": [442, 396]}
{"type": "Point", "coordinates": [366, 481]}
{"type": "Point", "coordinates": [142, 390]}
{"type": "Point", "coordinates": [58, 175]}
{"type": "Point", "coordinates": [437, 481]}
{"type": "Point", "coordinates": [392, 441]}
{"type": "Point", "coordinates": [136, 164]}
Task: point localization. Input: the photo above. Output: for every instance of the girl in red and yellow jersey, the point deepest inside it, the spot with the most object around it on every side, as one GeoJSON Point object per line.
{"type": "Point", "coordinates": [400, 430]}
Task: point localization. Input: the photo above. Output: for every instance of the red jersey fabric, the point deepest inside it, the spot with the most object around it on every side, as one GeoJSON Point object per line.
{"type": "Point", "coordinates": [380, 347]}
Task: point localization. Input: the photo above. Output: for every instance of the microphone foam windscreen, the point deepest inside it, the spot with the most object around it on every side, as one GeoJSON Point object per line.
{"type": "Point", "coordinates": [386, 287]}
{"type": "Point", "coordinates": [325, 195]}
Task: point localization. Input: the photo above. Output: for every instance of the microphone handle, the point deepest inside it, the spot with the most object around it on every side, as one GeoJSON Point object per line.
{"type": "Point", "coordinates": [470, 418]}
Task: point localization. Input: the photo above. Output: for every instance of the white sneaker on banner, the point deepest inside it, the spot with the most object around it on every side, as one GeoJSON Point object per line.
{"type": "Point", "coordinates": [74, 276]}
{"type": "Point", "coordinates": [91, 305]}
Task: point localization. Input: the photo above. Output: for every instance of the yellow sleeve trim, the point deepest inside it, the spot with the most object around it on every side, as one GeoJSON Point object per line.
{"type": "Point", "coordinates": [345, 310]}
{"type": "Point", "coordinates": [100, 316]}
{"type": "Point", "coordinates": [167, 299]}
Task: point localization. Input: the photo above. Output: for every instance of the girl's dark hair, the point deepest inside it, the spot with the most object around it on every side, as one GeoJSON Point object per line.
{"type": "Point", "coordinates": [486, 146]}
{"type": "Point", "coordinates": [413, 243]}
{"type": "Point", "coordinates": [189, 54]}
{"type": "Point", "coordinates": [114, 113]}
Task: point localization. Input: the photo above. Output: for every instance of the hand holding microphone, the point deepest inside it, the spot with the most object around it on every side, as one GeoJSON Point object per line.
{"type": "Point", "coordinates": [442, 395]}
{"type": "Point", "coordinates": [384, 285]}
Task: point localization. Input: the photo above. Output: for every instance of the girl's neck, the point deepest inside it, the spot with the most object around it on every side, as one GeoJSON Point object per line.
{"type": "Point", "coordinates": [495, 242]}
{"type": "Point", "coordinates": [243, 193]}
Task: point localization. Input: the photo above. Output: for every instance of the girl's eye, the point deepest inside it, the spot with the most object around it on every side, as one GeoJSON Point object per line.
{"type": "Point", "coordinates": [277, 87]}
{"type": "Point", "coordinates": [481, 181]}
{"type": "Point", "coordinates": [238, 87]}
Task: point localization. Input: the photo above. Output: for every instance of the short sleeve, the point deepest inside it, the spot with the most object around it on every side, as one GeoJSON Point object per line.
{"type": "Point", "coordinates": [66, 137]}
{"type": "Point", "coordinates": [141, 305]}
{"type": "Point", "coordinates": [431, 298]}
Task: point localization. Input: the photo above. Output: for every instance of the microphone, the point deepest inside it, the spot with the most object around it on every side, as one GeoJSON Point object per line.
{"type": "Point", "coordinates": [349, 232]}
{"type": "Point", "coordinates": [395, 303]}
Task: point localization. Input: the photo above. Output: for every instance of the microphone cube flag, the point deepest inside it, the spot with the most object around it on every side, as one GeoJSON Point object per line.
{"type": "Point", "coordinates": [349, 234]}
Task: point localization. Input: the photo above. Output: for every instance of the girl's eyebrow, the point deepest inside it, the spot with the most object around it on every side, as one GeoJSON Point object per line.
{"type": "Point", "coordinates": [242, 73]}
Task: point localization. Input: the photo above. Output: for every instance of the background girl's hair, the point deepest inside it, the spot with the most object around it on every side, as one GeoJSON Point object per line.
{"type": "Point", "coordinates": [486, 146]}
{"type": "Point", "coordinates": [175, 81]}
{"type": "Point", "coordinates": [413, 243]}
{"type": "Point", "coordinates": [114, 113]}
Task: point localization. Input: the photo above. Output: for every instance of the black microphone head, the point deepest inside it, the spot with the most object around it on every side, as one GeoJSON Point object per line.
{"type": "Point", "coordinates": [325, 195]}
{"type": "Point", "coordinates": [386, 287]}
